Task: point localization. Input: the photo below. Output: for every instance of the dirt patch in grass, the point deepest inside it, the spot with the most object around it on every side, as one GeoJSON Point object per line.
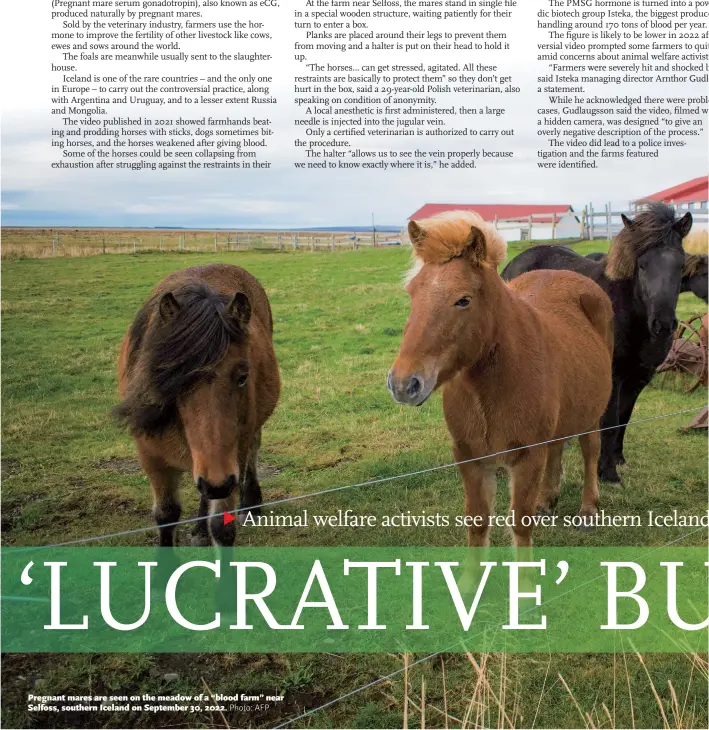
{"type": "Point", "coordinates": [9, 467]}
{"type": "Point", "coordinates": [120, 465]}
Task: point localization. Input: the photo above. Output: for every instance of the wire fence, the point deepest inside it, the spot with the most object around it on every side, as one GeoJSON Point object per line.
{"type": "Point", "coordinates": [52, 242]}
{"type": "Point", "coordinates": [368, 483]}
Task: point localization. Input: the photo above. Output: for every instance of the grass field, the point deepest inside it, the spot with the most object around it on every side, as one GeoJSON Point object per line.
{"type": "Point", "coordinates": [68, 472]}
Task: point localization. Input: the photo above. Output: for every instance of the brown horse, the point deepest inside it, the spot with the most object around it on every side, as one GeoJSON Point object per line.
{"type": "Point", "coordinates": [519, 363]}
{"type": "Point", "coordinates": [199, 379]}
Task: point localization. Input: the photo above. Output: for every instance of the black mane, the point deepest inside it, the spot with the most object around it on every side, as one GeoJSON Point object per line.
{"type": "Point", "coordinates": [174, 356]}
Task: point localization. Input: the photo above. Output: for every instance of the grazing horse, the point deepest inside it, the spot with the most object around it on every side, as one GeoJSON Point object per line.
{"type": "Point", "coordinates": [199, 378]}
{"type": "Point", "coordinates": [641, 274]}
{"type": "Point", "coordinates": [519, 364]}
{"type": "Point", "coordinates": [695, 275]}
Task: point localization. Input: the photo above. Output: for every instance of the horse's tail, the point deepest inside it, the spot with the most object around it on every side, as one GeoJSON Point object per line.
{"type": "Point", "coordinates": [598, 310]}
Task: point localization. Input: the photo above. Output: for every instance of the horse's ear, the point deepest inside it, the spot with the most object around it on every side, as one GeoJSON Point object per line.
{"type": "Point", "coordinates": [240, 309]}
{"type": "Point", "coordinates": [169, 306]}
{"type": "Point", "coordinates": [626, 221]}
{"type": "Point", "coordinates": [416, 233]}
{"type": "Point", "coordinates": [476, 245]}
{"type": "Point", "coordinates": [684, 225]}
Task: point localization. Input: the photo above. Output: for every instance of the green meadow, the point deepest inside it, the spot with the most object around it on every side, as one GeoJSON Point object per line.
{"type": "Point", "coordinates": [69, 472]}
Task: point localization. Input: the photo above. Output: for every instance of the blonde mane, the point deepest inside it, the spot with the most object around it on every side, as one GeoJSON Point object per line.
{"type": "Point", "coordinates": [454, 234]}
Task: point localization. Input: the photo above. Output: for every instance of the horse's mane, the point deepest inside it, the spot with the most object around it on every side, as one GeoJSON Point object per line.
{"type": "Point", "coordinates": [168, 359]}
{"type": "Point", "coordinates": [695, 264]}
{"type": "Point", "coordinates": [651, 228]}
{"type": "Point", "coordinates": [454, 234]}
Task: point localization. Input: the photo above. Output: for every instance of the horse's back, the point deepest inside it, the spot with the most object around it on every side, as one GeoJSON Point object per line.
{"type": "Point", "coordinates": [550, 257]}
{"type": "Point", "coordinates": [570, 299]}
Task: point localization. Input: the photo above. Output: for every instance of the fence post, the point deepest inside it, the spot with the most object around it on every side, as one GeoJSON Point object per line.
{"type": "Point", "coordinates": [592, 225]}
{"type": "Point", "coordinates": [355, 244]}
{"type": "Point", "coordinates": [180, 243]}
{"type": "Point", "coordinates": [215, 242]}
{"type": "Point", "coordinates": [103, 245]}
{"type": "Point", "coordinates": [54, 245]}
{"type": "Point", "coordinates": [295, 241]}
{"type": "Point", "coordinates": [531, 237]}
{"type": "Point", "coordinates": [280, 243]}
{"type": "Point", "coordinates": [134, 245]}
{"type": "Point", "coordinates": [553, 227]}
{"type": "Point", "coordinates": [608, 221]}
{"type": "Point", "coordinates": [332, 242]}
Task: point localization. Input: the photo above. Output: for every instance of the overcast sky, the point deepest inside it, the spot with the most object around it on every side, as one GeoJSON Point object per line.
{"type": "Point", "coordinates": [282, 197]}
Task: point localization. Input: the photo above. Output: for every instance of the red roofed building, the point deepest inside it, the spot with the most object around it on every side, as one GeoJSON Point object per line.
{"type": "Point", "coordinates": [513, 221]}
{"type": "Point", "coordinates": [693, 193]}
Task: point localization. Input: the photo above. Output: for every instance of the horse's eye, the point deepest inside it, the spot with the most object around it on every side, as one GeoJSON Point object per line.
{"type": "Point", "coordinates": [463, 302]}
{"type": "Point", "coordinates": [240, 374]}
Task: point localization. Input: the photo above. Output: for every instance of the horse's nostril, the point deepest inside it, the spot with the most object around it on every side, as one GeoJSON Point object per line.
{"type": "Point", "coordinates": [210, 491]}
{"type": "Point", "coordinates": [414, 387]}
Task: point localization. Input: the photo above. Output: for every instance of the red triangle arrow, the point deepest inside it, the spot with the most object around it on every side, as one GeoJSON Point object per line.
{"type": "Point", "coordinates": [228, 517]}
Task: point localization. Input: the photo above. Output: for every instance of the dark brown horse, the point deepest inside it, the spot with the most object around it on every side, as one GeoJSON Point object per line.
{"type": "Point", "coordinates": [519, 364]}
{"type": "Point", "coordinates": [199, 379]}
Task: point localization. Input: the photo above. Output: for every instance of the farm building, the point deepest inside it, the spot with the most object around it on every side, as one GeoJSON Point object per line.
{"type": "Point", "coordinates": [690, 195]}
{"type": "Point", "coordinates": [517, 222]}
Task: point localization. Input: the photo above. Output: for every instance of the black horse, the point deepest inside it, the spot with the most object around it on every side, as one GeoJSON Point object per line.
{"type": "Point", "coordinates": [641, 274]}
{"type": "Point", "coordinates": [694, 277]}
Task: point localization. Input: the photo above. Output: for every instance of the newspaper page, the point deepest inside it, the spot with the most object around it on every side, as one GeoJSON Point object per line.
{"type": "Point", "coordinates": [354, 363]}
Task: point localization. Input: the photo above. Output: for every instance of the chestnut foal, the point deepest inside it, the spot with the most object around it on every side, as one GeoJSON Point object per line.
{"type": "Point", "coordinates": [519, 364]}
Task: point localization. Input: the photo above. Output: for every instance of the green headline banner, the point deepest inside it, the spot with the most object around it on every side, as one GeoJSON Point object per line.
{"type": "Point", "coordinates": [354, 599]}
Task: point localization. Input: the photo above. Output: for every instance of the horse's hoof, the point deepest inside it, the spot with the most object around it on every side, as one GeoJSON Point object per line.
{"type": "Point", "coordinates": [200, 539]}
{"type": "Point", "coordinates": [588, 523]}
{"type": "Point", "coordinates": [609, 475]}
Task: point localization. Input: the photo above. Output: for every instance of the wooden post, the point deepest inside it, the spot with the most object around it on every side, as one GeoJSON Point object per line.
{"type": "Point", "coordinates": [553, 227]}
{"type": "Point", "coordinates": [592, 225]}
{"type": "Point", "coordinates": [248, 240]}
{"type": "Point", "coordinates": [181, 241]}
{"type": "Point", "coordinates": [608, 221]}
{"type": "Point", "coordinates": [103, 245]}
{"type": "Point", "coordinates": [54, 245]}
{"type": "Point", "coordinates": [355, 242]}
{"type": "Point", "coordinates": [530, 228]}
{"type": "Point", "coordinates": [215, 243]}
{"type": "Point", "coordinates": [237, 240]}
{"type": "Point", "coordinates": [134, 245]}
{"type": "Point", "coordinates": [332, 242]}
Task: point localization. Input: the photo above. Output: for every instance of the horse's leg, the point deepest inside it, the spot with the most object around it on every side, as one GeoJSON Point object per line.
{"type": "Point", "coordinates": [165, 483]}
{"type": "Point", "coordinates": [250, 493]}
{"type": "Point", "coordinates": [527, 476]}
{"type": "Point", "coordinates": [479, 483]}
{"type": "Point", "coordinates": [628, 397]}
{"type": "Point", "coordinates": [607, 471]}
{"type": "Point", "coordinates": [551, 484]}
{"type": "Point", "coordinates": [222, 535]}
{"type": "Point", "coordinates": [200, 531]}
{"type": "Point", "coordinates": [590, 448]}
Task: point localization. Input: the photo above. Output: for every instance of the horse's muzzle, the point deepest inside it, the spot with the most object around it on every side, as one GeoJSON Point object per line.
{"type": "Point", "coordinates": [412, 390]}
{"type": "Point", "coordinates": [210, 491]}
